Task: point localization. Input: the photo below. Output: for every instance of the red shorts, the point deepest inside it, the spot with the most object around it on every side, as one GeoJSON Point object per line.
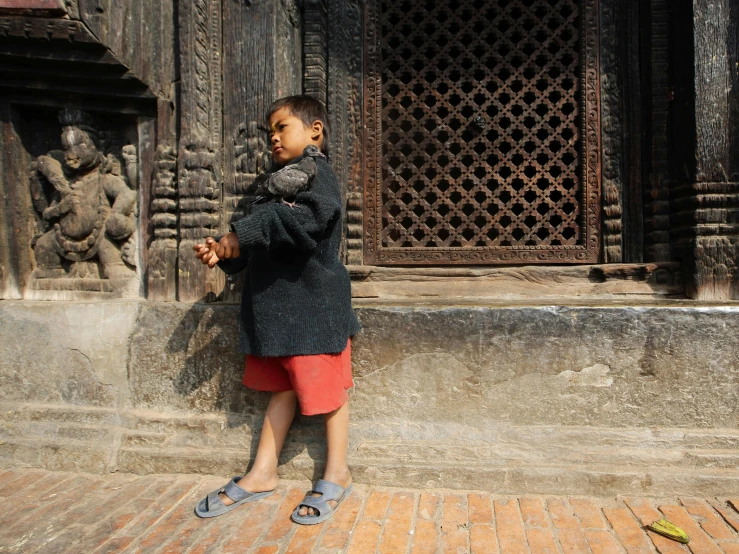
{"type": "Point", "coordinates": [320, 381]}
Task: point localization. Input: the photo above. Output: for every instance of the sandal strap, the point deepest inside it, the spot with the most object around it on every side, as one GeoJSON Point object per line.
{"type": "Point", "coordinates": [214, 501]}
{"type": "Point", "coordinates": [316, 502]}
{"type": "Point", "coordinates": [235, 492]}
{"type": "Point", "coordinates": [329, 490]}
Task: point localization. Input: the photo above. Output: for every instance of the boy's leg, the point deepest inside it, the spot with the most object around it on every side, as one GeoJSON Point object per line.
{"type": "Point", "coordinates": [337, 439]}
{"type": "Point", "coordinates": [277, 420]}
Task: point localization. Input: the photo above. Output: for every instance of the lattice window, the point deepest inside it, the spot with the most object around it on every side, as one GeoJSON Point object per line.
{"type": "Point", "coordinates": [487, 119]}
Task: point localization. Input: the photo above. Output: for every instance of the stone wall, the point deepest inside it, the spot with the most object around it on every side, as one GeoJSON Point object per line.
{"type": "Point", "coordinates": [568, 399]}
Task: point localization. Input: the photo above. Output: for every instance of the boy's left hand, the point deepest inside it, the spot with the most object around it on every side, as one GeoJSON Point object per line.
{"type": "Point", "coordinates": [206, 252]}
{"type": "Point", "coordinates": [228, 246]}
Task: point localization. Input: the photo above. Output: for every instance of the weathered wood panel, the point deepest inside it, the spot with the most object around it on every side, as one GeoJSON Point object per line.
{"type": "Point", "coordinates": [23, 138]}
{"type": "Point", "coordinates": [16, 209]}
{"type": "Point", "coordinates": [263, 62]}
{"type": "Point", "coordinates": [657, 189]}
{"type": "Point", "coordinates": [733, 93]}
{"type": "Point", "coordinates": [141, 34]}
{"type": "Point", "coordinates": [713, 93]}
{"type": "Point", "coordinates": [621, 128]}
{"type": "Point", "coordinates": [633, 191]}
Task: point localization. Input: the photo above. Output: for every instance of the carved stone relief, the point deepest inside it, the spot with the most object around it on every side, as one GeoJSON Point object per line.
{"type": "Point", "coordinates": [85, 198]}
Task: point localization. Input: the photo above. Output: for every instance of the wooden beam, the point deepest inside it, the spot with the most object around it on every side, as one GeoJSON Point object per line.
{"type": "Point", "coordinates": [32, 7]}
{"type": "Point", "coordinates": [107, 89]}
{"type": "Point", "coordinates": [46, 30]}
{"type": "Point", "coordinates": [611, 282]}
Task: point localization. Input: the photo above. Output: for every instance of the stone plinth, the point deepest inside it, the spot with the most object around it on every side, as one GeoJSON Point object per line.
{"type": "Point", "coordinates": [580, 399]}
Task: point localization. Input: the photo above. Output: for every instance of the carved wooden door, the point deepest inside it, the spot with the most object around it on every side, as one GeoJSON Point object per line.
{"type": "Point", "coordinates": [482, 132]}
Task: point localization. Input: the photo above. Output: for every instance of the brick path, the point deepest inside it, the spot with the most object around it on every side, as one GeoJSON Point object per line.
{"type": "Point", "coordinates": [51, 513]}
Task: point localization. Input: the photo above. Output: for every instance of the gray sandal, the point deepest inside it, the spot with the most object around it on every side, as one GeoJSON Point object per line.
{"type": "Point", "coordinates": [212, 506]}
{"type": "Point", "coordinates": [328, 491]}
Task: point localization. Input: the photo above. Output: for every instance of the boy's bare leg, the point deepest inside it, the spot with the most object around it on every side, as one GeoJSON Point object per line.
{"type": "Point", "coordinates": [277, 420]}
{"type": "Point", "coordinates": [337, 439]}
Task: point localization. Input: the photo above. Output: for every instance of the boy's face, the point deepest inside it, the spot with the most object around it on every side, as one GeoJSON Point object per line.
{"type": "Point", "coordinates": [289, 135]}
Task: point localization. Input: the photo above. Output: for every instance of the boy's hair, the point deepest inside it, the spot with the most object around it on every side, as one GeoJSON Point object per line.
{"type": "Point", "coordinates": [307, 109]}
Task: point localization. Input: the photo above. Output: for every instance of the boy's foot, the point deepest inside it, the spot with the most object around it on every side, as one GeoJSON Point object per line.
{"type": "Point", "coordinates": [343, 479]}
{"type": "Point", "coordinates": [324, 493]}
{"type": "Point", "coordinates": [227, 498]}
{"type": "Point", "coordinates": [253, 483]}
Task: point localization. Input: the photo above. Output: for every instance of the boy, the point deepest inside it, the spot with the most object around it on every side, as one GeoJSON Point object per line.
{"type": "Point", "coordinates": [296, 315]}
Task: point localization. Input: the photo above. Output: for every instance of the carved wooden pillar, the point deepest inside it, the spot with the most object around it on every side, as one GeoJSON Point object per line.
{"type": "Point", "coordinates": [707, 209]}
{"type": "Point", "coordinates": [199, 159]}
{"type": "Point", "coordinates": [315, 47]}
{"type": "Point", "coordinates": [345, 51]}
{"type": "Point", "coordinates": [621, 130]}
{"type": "Point", "coordinates": [611, 131]}
{"type": "Point", "coordinates": [162, 253]}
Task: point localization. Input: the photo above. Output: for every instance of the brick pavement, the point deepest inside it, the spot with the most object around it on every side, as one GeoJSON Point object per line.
{"type": "Point", "coordinates": [48, 512]}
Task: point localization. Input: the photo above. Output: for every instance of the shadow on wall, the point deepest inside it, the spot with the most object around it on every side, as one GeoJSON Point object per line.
{"type": "Point", "coordinates": [205, 343]}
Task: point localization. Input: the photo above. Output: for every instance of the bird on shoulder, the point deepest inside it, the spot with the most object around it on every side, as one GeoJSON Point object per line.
{"type": "Point", "coordinates": [284, 184]}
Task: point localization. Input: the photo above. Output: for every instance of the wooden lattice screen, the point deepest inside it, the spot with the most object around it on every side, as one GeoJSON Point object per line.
{"type": "Point", "coordinates": [483, 130]}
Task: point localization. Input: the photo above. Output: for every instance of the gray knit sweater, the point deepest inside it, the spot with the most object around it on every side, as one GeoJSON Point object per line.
{"type": "Point", "coordinates": [297, 293]}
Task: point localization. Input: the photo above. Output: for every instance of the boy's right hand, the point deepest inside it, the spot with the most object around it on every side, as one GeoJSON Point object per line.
{"type": "Point", "coordinates": [206, 252]}
{"type": "Point", "coordinates": [228, 247]}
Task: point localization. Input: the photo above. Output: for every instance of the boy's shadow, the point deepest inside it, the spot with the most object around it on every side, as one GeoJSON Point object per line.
{"type": "Point", "coordinates": [207, 336]}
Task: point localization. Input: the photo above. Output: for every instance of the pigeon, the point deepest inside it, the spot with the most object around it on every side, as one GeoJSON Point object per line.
{"type": "Point", "coordinates": [284, 184]}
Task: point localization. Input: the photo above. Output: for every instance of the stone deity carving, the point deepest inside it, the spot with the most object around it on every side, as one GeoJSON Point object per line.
{"type": "Point", "coordinates": [88, 210]}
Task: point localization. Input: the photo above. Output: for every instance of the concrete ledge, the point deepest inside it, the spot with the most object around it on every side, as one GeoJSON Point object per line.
{"type": "Point", "coordinates": [587, 399]}
{"type": "Point", "coordinates": [525, 459]}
